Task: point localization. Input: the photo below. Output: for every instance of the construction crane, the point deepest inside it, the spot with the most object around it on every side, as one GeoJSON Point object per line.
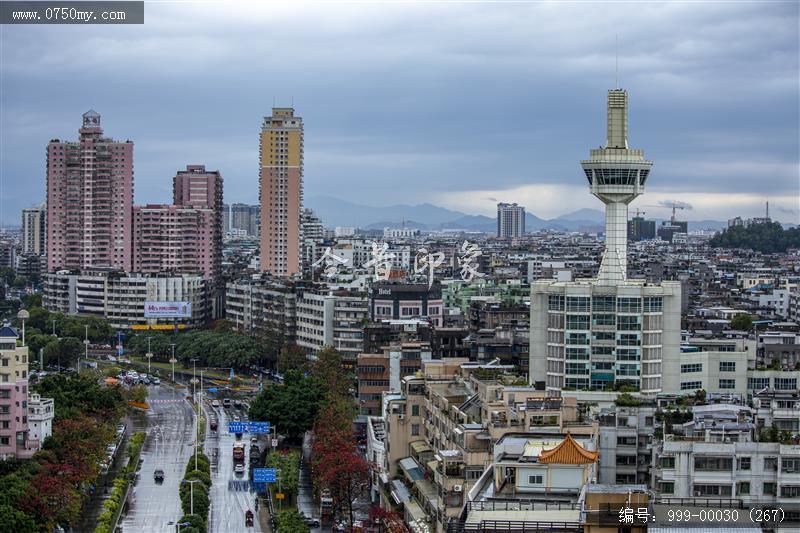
{"type": "Point", "coordinates": [638, 212]}
{"type": "Point", "coordinates": [672, 205]}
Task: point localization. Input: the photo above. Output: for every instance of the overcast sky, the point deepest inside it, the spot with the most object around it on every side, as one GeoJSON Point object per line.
{"type": "Point", "coordinates": [456, 104]}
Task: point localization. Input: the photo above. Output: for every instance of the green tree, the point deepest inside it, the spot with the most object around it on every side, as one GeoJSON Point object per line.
{"type": "Point", "coordinates": [63, 352]}
{"type": "Point", "coordinates": [290, 358]}
{"type": "Point", "coordinates": [290, 406]}
{"type": "Point", "coordinates": [138, 393]}
{"type": "Point", "coordinates": [195, 521]}
{"type": "Point", "coordinates": [291, 521]}
{"type": "Point", "coordinates": [331, 374]}
{"type": "Point", "coordinates": [742, 321]}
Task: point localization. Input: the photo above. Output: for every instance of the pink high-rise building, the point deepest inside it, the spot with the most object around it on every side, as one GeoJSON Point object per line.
{"type": "Point", "coordinates": [14, 438]}
{"type": "Point", "coordinates": [89, 200]}
{"type": "Point", "coordinates": [185, 237]}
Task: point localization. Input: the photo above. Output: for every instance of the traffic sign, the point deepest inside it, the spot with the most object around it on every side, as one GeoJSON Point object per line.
{"type": "Point", "coordinates": [259, 427]}
{"type": "Point", "coordinates": [264, 475]}
{"type": "Point", "coordinates": [274, 443]}
{"type": "Point", "coordinates": [278, 495]}
{"type": "Point", "coordinates": [237, 427]}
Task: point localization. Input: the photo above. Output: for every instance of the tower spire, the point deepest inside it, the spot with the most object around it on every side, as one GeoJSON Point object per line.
{"type": "Point", "coordinates": [616, 61]}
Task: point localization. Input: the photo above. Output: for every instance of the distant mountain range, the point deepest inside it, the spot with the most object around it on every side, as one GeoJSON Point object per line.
{"type": "Point", "coordinates": [337, 212]}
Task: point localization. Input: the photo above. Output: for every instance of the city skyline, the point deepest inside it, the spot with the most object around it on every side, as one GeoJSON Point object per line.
{"type": "Point", "coordinates": [400, 104]}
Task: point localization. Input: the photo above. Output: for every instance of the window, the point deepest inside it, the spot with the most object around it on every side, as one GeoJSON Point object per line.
{"type": "Point", "coordinates": [555, 302]}
{"type": "Point", "coordinates": [727, 384]}
{"type": "Point", "coordinates": [692, 367]}
{"type": "Point", "coordinates": [577, 368]}
{"type": "Point", "coordinates": [712, 490]}
{"type": "Point", "coordinates": [713, 463]}
{"type": "Point", "coordinates": [604, 303]}
{"type": "Point", "coordinates": [743, 463]}
{"type": "Point", "coordinates": [790, 491]}
{"type": "Point", "coordinates": [743, 488]}
{"type": "Point", "coordinates": [579, 304]}
{"type": "Point", "coordinates": [689, 385]}
{"type": "Point", "coordinates": [769, 488]}
{"type": "Point", "coordinates": [578, 322]}
{"type": "Point", "coordinates": [785, 383]}
{"type": "Point", "coordinates": [414, 430]}
{"type": "Point", "coordinates": [667, 462]}
{"type": "Point", "coordinates": [667, 487]}
{"type": "Point", "coordinates": [727, 366]}
{"type": "Point", "coordinates": [654, 304]}
{"type": "Point", "coordinates": [757, 383]}
{"type": "Point", "coordinates": [627, 322]}
{"type": "Point", "coordinates": [415, 410]}
{"type": "Point", "coordinates": [790, 466]}
{"type": "Point", "coordinates": [629, 305]}
{"type": "Point", "coordinates": [577, 353]}
{"type": "Point", "coordinates": [603, 319]}
{"type": "Point", "coordinates": [771, 464]}
{"type": "Point", "coordinates": [535, 480]}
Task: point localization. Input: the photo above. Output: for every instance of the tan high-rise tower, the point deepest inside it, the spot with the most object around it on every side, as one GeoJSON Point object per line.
{"type": "Point", "coordinates": [281, 191]}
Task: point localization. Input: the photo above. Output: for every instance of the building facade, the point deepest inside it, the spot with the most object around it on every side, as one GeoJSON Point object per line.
{"type": "Point", "coordinates": [34, 230]}
{"type": "Point", "coordinates": [89, 200]}
{"type": "Point", "coordinates": [281, 191]}
{"type": "Point", "coordinates": [510, 220]}
{"type": "Point", "coordinates": [15, 438]}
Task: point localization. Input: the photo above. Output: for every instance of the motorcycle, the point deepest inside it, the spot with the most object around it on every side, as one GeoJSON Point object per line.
{"type": "Point", "coordinates": [248, 518]}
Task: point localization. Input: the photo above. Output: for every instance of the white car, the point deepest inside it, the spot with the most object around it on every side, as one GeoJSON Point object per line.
{"type": "Point", "coordinates": [239, 468]}
{"type": "Point", "coordinates": [236, 418]}
{"type": "Point", "coordinates": [215, 403]}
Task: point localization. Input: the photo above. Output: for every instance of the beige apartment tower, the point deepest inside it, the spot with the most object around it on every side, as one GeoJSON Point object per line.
{"type": "Point", "coordinates": [281, 191]}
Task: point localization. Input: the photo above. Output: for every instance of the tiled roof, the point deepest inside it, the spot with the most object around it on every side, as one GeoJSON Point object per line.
{"type": "Point", "coordinates": [568, 452]}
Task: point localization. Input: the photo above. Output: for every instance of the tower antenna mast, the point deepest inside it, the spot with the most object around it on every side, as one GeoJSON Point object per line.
{"type": "Point", "coordinates": [616, 61]}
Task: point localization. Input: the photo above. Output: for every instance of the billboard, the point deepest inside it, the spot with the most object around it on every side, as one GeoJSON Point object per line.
{"type": "Point", "coordinates": [167, 309]}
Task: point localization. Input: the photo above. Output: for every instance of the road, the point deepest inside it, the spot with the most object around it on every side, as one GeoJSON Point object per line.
{"type": "Point", "coordinates": [156, 508]}
{"type": "Point", "coordinates": [229, 501]}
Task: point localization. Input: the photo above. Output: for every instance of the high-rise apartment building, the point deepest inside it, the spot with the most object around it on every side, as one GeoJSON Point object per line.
{"type": "Point", "coordinates": [609, 331]}
{"type": "Point", "coordinates": [185, 237]}
{"type": "Point", "coordinates": [281, 191]}
{"type": "Point", "coordinates": [34, 230]}
{"type": "Point", "coordinates": [89, 200]}
{"type": "Point", "coordinates": [241, 217]}
{"type": "Point", "coordinates": [510, 220]}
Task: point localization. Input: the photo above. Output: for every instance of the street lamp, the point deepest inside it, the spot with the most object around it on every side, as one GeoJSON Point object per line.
{"type": "Point", "coordinates": [173, 361]}
{"type": "Point", "coordinates": [191, 483]}
{"type": "Point", "coordinates": [196, 408]}
{"type": "Point", "coordinates": [54, 327]}
{"type": "Point", "coordinates": [85, 344]}
{"type": "Point", "coordinates": [179, 524]}
{"type": "Point", "coordinates": [149, 354]}
{"type": "Point", "coordinates": [23, 315]}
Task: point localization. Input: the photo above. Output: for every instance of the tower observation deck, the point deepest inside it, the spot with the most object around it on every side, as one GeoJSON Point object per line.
{"type": "Point", "coordinates": [616, 175]}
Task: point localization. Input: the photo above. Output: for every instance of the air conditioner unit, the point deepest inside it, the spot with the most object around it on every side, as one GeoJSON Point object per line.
{"type": "Point", "coordinates": [457, 488]}
{"type": "Point", "coordinates": [401, 416]}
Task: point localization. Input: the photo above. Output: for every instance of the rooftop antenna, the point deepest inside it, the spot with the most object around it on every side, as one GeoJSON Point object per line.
{"type": "Point", "coordinates": [616, 60]}
{"type": "Point", "coordinates": [292, 102]}
{"type": "Point", "coordinates": [273, 101]}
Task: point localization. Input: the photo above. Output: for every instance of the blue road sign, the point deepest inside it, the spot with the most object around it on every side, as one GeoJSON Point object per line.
{"type": "Point", "coordinates": [237, 427]}
{"type": "Point", "coordinates": [259, 427]}
{"type": "Point", "coordinates": [264, 475]}
{"type": "Point", "coordinates": [212, 390]}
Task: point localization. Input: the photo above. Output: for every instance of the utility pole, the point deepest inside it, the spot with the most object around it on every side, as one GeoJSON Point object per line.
{"type": "Point", "coordinates": [86, 346]}
{"type": "Point", "coordinates": [173, 361]}
{"type": "Point", "coordinates": [196, 408]}
{"type": "Point", "coordinates": [54, 327]}
{"type": "Point", "coordinates": [149, 354]}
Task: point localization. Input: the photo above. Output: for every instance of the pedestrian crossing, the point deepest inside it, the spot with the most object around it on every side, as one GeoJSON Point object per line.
{"type": "Point", "coordinates": [166, 401]}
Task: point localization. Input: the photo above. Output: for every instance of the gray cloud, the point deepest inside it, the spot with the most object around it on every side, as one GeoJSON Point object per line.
{"type": "Point", "coordinates": [405, 101]}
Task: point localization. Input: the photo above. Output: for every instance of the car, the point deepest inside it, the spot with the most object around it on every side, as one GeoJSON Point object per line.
{"type": "Point", "coordinates": [215, 403]}
{"type": "Point", "coordinates": [158, 476]}
{"type": "Point", "coordinates": [310, 521]}
{"type": "Point", "coordinates": [156, 381]}
{"type": "Point", "coordinates": [145, 380]}
{"type": "Point", "coordinates": [226, 402]}
{"type": "Point", "coordinates": [237, 419]}
{"type": "Point", "coordinates": [239, 468]}
{"type": "Point", "coordinates": [253, 440]}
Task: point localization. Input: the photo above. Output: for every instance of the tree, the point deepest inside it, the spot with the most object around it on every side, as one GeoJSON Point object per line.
{"type": "Point", "coordinates": [195, 521]}
{"type": "Point", "coordinates": [330, 373]}
{"type": "Point", "coordinates": [337, 464]}
{"type": "Point", "coordinates": [767, 238]}
{"type": "Point", "coordinates": [291, 406]}
{"type": "Point", "coordinates": [742, 321]}
{"type": "Point", "coordinates": [138, 393]}
{"type": "Point", "coordinates": [290, 358]}
{"type": "Point", "coordinates": [291, 521]}
{"type": "Point", "coordinates": [63, 352]}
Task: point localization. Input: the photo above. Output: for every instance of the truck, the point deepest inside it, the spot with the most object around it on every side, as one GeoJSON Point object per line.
{"type": "Point", "coordinates": [238, 451]}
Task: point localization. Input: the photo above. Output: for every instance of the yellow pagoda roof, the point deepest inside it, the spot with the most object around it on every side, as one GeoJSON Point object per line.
{"type": "Point", "coordinates": [568, 452]}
